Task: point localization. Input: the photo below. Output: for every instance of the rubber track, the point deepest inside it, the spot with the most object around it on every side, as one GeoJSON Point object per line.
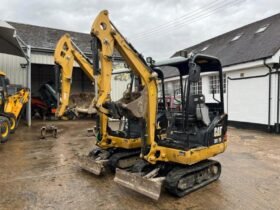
{"type": "Point", "coordinates": [174, 176]}
{"type": "Point", "coordinates": [114, 158]}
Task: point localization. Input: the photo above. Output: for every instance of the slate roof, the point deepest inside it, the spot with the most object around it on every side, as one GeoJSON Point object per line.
{"type": "Point", "coordinates": [46, 38]}
{"type": "Point", "coordinates": [250, 46]}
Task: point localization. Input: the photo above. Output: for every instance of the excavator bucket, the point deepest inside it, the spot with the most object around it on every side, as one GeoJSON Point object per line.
{"type": "Point", "coordinates": [148, 187]}
{"type": "Point", "coordinates": [90, 165]}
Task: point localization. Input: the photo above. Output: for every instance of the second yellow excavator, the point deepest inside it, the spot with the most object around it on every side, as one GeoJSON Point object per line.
{"type": "Point", "coordinates": [115, 148]}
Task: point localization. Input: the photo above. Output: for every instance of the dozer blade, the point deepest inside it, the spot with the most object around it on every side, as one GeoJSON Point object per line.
{"type": "Point", "coordinates": [147, 187]}
{"type": "Point", "coordinates": [90, 165]}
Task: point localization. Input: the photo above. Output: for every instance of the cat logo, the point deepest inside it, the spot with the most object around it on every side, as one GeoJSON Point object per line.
{"type": "Point", "coordinates": [218, 131]}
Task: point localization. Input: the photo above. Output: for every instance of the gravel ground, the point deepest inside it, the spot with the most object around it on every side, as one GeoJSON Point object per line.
{"type": "Point", "coordinates": [41, 174]}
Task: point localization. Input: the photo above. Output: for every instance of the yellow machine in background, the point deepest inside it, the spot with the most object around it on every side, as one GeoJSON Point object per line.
{"type": "Point", "coordinates": [66, 52]}
{"type": "Point", "coordinates": [12, 100]}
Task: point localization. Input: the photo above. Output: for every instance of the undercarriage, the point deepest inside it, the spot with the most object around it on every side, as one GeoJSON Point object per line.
{"type": "Point", "coordinates": [100, 160]}
{"type": "Point", "coordinates": [177, 179]}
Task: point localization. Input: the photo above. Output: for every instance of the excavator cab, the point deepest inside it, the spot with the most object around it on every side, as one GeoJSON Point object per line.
{"type": "Point", "coordinates": [192, 126]}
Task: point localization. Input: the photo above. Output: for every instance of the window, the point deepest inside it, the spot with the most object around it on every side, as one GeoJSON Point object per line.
{"type": "Point", "coordinates": [224, 83]}
{"type": "Point", "coordinates": [236, 37]}
{"type": "Point", "coordinates": [262, 29]}
{"type": "Point", "coordinates": [167, 88]}
{"type": "Point", "coordinates": [177, 88]}
{"type": "Point", "coordinates": [215, 83]}
{"type": "Point", "coordinates": [159, 90]}
{"type": "Point", "coordinates": [196, 88]}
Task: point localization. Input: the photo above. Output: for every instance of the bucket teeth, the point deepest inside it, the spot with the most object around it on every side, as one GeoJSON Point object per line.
{"type": "Point", "coordinates": [90, 165]}
{"type": "Point", "coordinates": [134, 181]}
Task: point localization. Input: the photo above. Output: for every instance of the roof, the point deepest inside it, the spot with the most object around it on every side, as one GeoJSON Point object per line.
{"type": "Point", "coordinates": [44, 38]}
{"type": "Point", "coordinates": [8, 41]}
{"type": "Point", "coordinates": [250, 46]}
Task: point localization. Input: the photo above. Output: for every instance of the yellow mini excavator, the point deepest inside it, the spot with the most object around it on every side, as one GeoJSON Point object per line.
{"type": "Point", "coordinates": [12, 100]}
{"type": "Point", "coordinates": [116, 148]}
{"type": "Point", "coordinates": [179, 159]}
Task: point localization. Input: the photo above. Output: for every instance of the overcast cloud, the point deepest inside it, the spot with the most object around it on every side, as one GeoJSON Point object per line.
{"type": "Point", "coordinates": [143, 22]}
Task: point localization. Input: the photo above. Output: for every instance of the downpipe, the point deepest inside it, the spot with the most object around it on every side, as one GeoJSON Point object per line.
{"type": "Point", "coordinates": [277, 126]}
{"type": "Point", "coordinates": [57, 71]}
{"type": "Point", "coordinates": [269, 96]}
{"type": "Point", "coordinates": [278, 99]}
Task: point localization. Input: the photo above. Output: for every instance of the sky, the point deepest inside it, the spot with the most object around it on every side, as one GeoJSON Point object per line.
{"type": "Point", "coordinates": [156, 28]}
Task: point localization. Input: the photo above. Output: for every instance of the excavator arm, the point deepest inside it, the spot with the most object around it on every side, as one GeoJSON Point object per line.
{"type": "Point", "coordinates": [110, 38]}
{"type": "Point", "coordinates": [66, 52]}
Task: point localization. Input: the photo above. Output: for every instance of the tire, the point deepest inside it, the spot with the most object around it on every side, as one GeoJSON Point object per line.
{"type": "Point", "coordinates": [4, 129]}
{"type": "Point", "coordinates": [13, 123]}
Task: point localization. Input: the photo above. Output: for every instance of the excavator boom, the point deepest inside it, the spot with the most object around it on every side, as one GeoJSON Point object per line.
{"type": "Point", "coordinates": [66, 52]}
{"type": "Point", "coordinates": [110, 38]}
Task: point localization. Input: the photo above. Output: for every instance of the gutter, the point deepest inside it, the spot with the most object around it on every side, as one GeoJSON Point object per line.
{"type": "Point", "coordinates": [51, 51]}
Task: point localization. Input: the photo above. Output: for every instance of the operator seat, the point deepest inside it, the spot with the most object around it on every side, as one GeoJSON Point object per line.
{"type": "Point", "coordinates": [198, 109]}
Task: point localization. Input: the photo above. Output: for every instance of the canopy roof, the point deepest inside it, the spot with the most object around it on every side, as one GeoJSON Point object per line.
{"type": "Point", "coordinates": [8, 40]}
{"type": "Point", "coordinates": [180, 65]}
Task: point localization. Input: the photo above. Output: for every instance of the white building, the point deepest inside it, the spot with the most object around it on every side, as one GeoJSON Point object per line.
{"type": "Point", "coordinates": [250, 60]}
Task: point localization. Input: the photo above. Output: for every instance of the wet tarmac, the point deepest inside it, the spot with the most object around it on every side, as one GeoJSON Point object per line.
{"type": "Point", "coordinates": [41, 174]}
